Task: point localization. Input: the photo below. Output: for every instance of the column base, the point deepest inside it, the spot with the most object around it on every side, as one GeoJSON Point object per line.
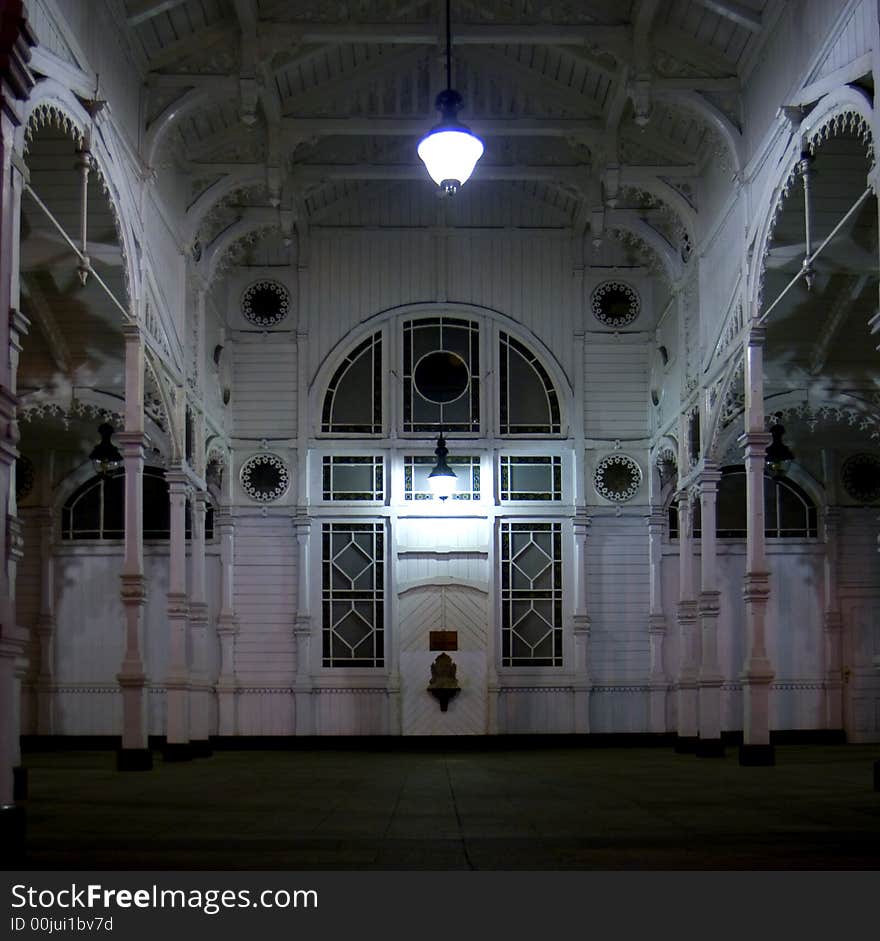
{"type": "Point", "coordinates": [201, 748]}
{"type": "Point", "coordinates": [754, 756]}
{"type": "Point", "coordinates": [177, 751]}
{"type": "Point", "coordinates": [12, 835]}
{"type": "Point", "coordinates": [134, 759]}
{"type": "Point", "coordinates": [877, 775]}
{"type": "Point", "coordinates": [686, 744]}
{"type": "Point", "coordinates": [19, 783]}
{"type": "Point", "coordinates": [710, 748]}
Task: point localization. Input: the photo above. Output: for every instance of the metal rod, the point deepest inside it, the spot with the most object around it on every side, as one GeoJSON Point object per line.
{"type": "Point", "coordinates": [810, 258]}
{"type": "Point", "coordinates": [448, 45]}
{"type": "Point", "coordinates": [77, 252]}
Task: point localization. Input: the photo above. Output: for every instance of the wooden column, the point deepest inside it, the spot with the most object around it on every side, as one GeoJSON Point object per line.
{"type": "Point", "coordinates": [710, 678]}
{"type": "Point", "coordinates": [302, 632]}
{"type": "Point", "coordinates": [135, 754]}
{"type": "Point", "coordinates": [581, 683]}
{"type": "Point", "coordinates": [832, 627]}
{"type": "Point", "coordinates": [757, 672]}
{"type": "Point", "coordinates": [687, 684]}
{"type": "Point", "coordinates": [177, 688]}
{"type": "Point", "coordinates": [227, 623]}
{"type": "Point", "coordinates": [200, 684]}
{"type": "Point", "coordinates": [658, 681]}
{"type": "Point", "coordinates": [45, 520]}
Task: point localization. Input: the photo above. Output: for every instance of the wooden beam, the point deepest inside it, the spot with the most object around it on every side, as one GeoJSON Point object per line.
{"type": "Point", "coordinates": [277, 34]}
{"type": "Point", "coordinates": [139, 11]}
{"type": "Point", "coordinates": [199, 41]}
{"type": "Point", "coordinates": [735, 12]}
{"type": "Point", "coordinates": [701, 55]}
{"type": "Point", "coordinates": [305, 127]}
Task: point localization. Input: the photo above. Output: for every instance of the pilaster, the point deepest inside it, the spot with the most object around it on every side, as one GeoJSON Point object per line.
{"type": "Point", "coordinates": [710, 678]}
{"type": "Point", "coordinates": [581, 681]}
{"type": "Point", "coordinates": [227, 626]}
{"type": "Point", "coordinates": [687, 684]}
{"type": "Point", "coordinates": [302, 632]}
{"type": "Point", "coordinates": [177, 679]}
{"type": "Point", "coordinates": [657, 627]}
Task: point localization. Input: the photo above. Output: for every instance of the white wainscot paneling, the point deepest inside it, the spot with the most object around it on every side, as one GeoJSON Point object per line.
{"type": "Point", "coordinates": [619, 708]}
{"type": "Point", "coordinates": [87, 710]}
{"type": "Point", "coordinates": [362, 711]}
{"type": "Point", "coordinates": [265, 711]}
{"type": "Point", "coordinates": [536, 709]}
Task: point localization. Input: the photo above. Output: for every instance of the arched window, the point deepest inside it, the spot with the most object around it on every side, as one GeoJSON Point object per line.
{"type": "Point", "coordinates": [789, 513]}
{"type": "Point", "coordinates": [528, 400]}
{"type": "Point", "coordinates": [353, 401]}
{"type": "Point", "coordinates": [96, 510]}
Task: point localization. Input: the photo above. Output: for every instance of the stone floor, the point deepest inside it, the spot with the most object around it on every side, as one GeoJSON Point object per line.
{"type": "Point", "coordinates": [538, 809]}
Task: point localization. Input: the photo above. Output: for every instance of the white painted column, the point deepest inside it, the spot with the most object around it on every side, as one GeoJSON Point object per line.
{"type": "Point", "coordinates": [687, 684]}
{"type": "Point", "coordinates": [581, 683]}
{"type": "Point", "coordinates": [45, 520]}
{"type": "Point", "coordinates": [302, 631]}
{"type": "Point", "coordinates": [832, 626]}
{"type": "Point", "coordinates": [658, 681]}
{"type": "Point", "coordinates": [177, 689]}
{"type": "Point", "coordinates": [227, 625]}
{"type": "Point", "coordinates": [134, 754]}
{"type": "Point", "coordinates": [200, 684]}
{"type": "Point", "coordinates": [757, 672]}
{"type": "Point", "coordinates": [710, 678]}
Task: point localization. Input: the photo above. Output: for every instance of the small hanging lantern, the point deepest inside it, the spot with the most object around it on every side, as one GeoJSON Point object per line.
{"type": "Point", "coordinates": [442, 478]}
{"type": "Point", "coordinates": [779, 455]}
{"type": "Point", "coordinates": [105, 456]}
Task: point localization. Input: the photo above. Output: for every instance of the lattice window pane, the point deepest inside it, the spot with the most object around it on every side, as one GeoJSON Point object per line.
{"type": "Point", "coordinates": [353, 594]}
{"type": "Point", "coordinates": [531, 594]}
{"type": "Point", "coordinates": [441, 375]}
{"type": "Point", "coordinates": [353, 477]}
{"type": "Point", "coordinates": [530, 477]}
{"type": "Point", "coordinates": [417, 467]}
{"type": "Point", "coordinates": [353, 401]}
{"type": "Point", "coordinates": [528, 400]}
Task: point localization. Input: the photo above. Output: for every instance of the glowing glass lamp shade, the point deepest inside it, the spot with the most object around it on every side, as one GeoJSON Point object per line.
{"type": "Point", "coordinates": [105, 456]}
{"type": "Point", "coordinates": [450, 151]}
{"type": "Point", "coordinates": [442, 478]}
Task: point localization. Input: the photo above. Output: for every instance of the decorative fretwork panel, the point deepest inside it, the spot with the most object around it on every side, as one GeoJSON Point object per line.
{"type": "Point", "coordinates": [529, 404]}
{"type": "Point", "coordinates": [530, 477]}
{"type": "Point", "coordinates": [353, 594]}
{"type": "Point", "coordinates": [417, 468]}
{"type": "Point", "coordinates": [354, 477]}
{"type": "Point", "coordinates": [441, 375]}
{"type": "Point", "coordinates": [353, 401]}
{"type": "Point", "coordinates": [531, 594]}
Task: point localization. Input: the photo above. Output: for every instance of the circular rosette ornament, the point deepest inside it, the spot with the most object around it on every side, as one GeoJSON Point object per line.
{"type": "Point", "coordinates": [615, 304]}
{"type": "Point", "coordinates": [265, 303]}
{"type": "Point", "coordinates": [265, 477]}
{"type": "Point", "coordinates": [617, 478]}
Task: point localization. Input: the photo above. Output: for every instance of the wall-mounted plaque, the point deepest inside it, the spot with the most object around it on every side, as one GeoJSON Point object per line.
{"type": "Point", "coordinates": [443, 640]}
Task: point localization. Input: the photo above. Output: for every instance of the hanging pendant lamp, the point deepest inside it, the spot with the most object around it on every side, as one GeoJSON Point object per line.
{"type": "Point", "coordinates": [105, 456]}
{"type": "Point", "coordinates": [442, 478]}
{"type": "Point", "coordinates": [449, 150]}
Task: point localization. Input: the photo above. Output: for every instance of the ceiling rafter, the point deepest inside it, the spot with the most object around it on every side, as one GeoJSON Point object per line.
{"type": "Point", "coordinates": [700, 55]}
{"type": "Point", "coordinates": [139, 11]}
{"type": "Point", "coordinates": [223, 31]}
{"type": "Point", "coordinates": [838, 312]}
{"type": "Point", "coordinates": [735, 12]}
{"type": "Point", "coordinates": [382, 65]}
{"type": "Point", "coordinates": [41, 311]}
{"type": "Point", "coordinates": [534, 81]}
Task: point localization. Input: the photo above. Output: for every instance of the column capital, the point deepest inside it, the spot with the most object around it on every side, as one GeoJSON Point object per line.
{"type": "Point", "coordinates": [227, 625]}
{"type": "Point", "coordinates": [754, 440]}
{"type": "Point", "coordinates": [757, 335]}
{"type": "Point", "coordinates": [133, 443]}
{"type": "Point", "coordinates": [709, 602]}
{"type": "Point", "coordinates": [581, 625]}
{"type": "Point", "coordinates": [710, 475]}
{"type": "Point", "coordinates": [657, 624]}
{"type": "Point", "coordinates": [756, 587]}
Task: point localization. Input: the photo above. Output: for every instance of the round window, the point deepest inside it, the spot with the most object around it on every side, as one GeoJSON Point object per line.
{"type": "Point", "coordinates": [441, 377]}
{"type": "Point", "coordinates": [265, 303]}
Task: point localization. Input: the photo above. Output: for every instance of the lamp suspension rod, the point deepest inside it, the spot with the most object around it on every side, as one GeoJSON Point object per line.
{"type": "Point", "coordinates": [83, 258]}
{"type": "Point", "coordinates": [448, 44]}
{"type": "Point", "coordinates": [809, 259]}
